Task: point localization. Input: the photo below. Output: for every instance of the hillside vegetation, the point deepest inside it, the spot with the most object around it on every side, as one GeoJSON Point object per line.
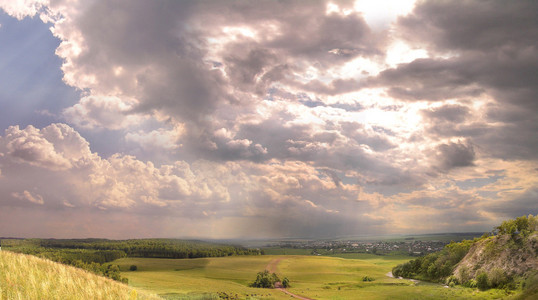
{"type": "Point", "coordinates": [95, 255]}
{"type": "Point", "coordinates": [28, 277]}
{"type": "Point", "coordinates": [506, 259]}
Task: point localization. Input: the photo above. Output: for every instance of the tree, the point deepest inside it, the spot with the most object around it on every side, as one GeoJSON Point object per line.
{"type": "Point", "coordinates": [111, 271]}
{"type": "Point", "coordinates": [133, 268]}
{"type": "Point", "coordinates": [265, 280]}
{"type": "Point", "coordinates": [286, 282]}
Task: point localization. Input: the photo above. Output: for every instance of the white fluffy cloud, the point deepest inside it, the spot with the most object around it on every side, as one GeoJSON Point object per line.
{"type": "Point", "coordinates": [23, 8]}
{"type": "Point", "coordinates": [103, 112]}
{"type": "Point", "coordinates": [57, 146]}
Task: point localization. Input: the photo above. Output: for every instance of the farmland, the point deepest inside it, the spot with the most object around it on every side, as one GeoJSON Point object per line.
{"type": "Point", "coordinates": [316, 277]}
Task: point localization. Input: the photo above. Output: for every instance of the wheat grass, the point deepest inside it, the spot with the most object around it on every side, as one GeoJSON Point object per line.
{"type": "Point", "coordinates": [27, 277]}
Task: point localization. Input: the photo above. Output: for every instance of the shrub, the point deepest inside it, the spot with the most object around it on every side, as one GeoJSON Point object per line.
{"type": "Point", "coordinates": [452, 280]}
{"type": "Point", "coordinates": [530, 285]}
{"type": "Point", "coordinates": [367, 278]}
{"type": "Point", "coordinates": [285, 282]}
{"type": "Point", "coordinates": [133, 268]}
{"type": "Point", "coordinates": [482, 281]}
{"type": "Point", "coordinates": [470, 284]}
{"type": "Point", "coordinates": [497, 278]}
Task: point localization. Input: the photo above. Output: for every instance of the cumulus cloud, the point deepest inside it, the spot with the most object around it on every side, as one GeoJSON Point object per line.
{"type": "Point", "coordinates": [200, 190]}
{"type": "Point", "coordinates": [102, 112]}
{"type": "Point", "coordinates": [56, 147]}
{"type": "Point", "coordinates": [21, 9]}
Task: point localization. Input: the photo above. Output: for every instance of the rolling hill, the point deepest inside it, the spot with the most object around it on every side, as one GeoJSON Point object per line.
{"type": "Point", "coordinates": [29, 277]}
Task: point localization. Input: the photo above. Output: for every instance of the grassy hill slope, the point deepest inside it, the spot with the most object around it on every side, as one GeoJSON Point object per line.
{"type": "Point", "coordinates": [28, 277]}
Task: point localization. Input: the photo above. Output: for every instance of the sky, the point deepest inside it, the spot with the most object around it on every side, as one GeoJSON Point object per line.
{"type": "Point", "coordinates": [266, 119]}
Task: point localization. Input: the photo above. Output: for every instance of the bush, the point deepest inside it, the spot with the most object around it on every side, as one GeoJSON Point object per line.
{"type": "Point", "coordinates": [133, 268]}
{"type": "Point", "coordinates": [367, 278]}
{"type": "Point", "coordinates": [470, 284]}
{"type": "Point", "coordinates": [530, 286]}
{"type": "Point", "coordinates": [497, 278]}
{"type": "Point", "coordinates": [452, 280]}
{"type": "Point", "coordinates": [286, 282]}
{"type": "Point", "coordinates": [482, 281]}
{"type": "Point", "coordinates": [111, 271]}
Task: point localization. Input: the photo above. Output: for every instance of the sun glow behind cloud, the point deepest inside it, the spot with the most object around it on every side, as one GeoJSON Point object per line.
{"type": "Point", "coordinates": [379, 14]}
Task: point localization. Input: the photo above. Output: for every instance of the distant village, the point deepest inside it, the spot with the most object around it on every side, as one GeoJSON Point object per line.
{"type": "Point", "coordinates": [409, 246]}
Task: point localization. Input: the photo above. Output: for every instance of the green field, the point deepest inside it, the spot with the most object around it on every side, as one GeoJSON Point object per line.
{"type": "Point", "coordinates": [317, 277]}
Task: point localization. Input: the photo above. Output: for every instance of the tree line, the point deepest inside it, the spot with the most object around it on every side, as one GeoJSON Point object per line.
{"type": "Point", "coordinates": [95, 255]}
{"type": "Point", "coordinates": [155, 248]}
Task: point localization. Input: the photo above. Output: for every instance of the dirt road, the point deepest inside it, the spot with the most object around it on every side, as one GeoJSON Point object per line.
{"type": "Point", "coordinates": [273, 264]}
{"type": "Point", "coordinates": [293, 295]}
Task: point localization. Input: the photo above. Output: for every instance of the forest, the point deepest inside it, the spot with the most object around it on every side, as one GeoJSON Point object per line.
{"type": "Point", "coordinates": [94, 255]}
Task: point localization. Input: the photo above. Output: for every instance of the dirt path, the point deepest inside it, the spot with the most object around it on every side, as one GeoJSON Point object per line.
{"type": "Point", "coordinates": [415, 281]}
{"type": "Point", "coordinates": [273, 268]}
{"type": "Point", "coordinates": [273, 264]}
{"type": "Point", "coordinates": [293, 295]}
{"type": "Point", "coordinates": [389, 274]}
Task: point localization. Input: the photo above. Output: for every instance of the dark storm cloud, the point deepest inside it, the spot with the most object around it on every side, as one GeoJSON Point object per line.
{"type": "Point", "coordinates": [161, 51]}
{"type": "Point", "coordinates": [294, 36]}
{"type": "Point", "coordinates": [448, 121]}
{"type": "Point", "coordinates": [454, 155]}
{"type": "Point", "coordinates": [450, 113]}
{"type": "Point", "coordinates": [492, 51]}
{"type": "Point", "coordinates": [322, 33]}
{"type": "Point", "coordinates": [301, 29]}
{"type": "Point", "coordinates": [471, 25]}
{"type": "Point", "coordinates": [253, 68]}
{"type": "Point", "coordinates": [428, 79]}
{"type": "Point", "coordinates": [152, 43]}
{"type": "Point", "coordinates": [523, 204]}
{"type": "Point", "coordinates": [497, 45]}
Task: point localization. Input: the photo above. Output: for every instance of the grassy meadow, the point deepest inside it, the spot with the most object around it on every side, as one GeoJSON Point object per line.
{"type": "Point", "coordinates": [316, 277]}
{"type": "Point", "coordinates": [27, 277]}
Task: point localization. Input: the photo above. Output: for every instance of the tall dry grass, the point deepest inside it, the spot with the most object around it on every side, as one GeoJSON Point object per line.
{"type": "Point", "coordinates": [27, 277]}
